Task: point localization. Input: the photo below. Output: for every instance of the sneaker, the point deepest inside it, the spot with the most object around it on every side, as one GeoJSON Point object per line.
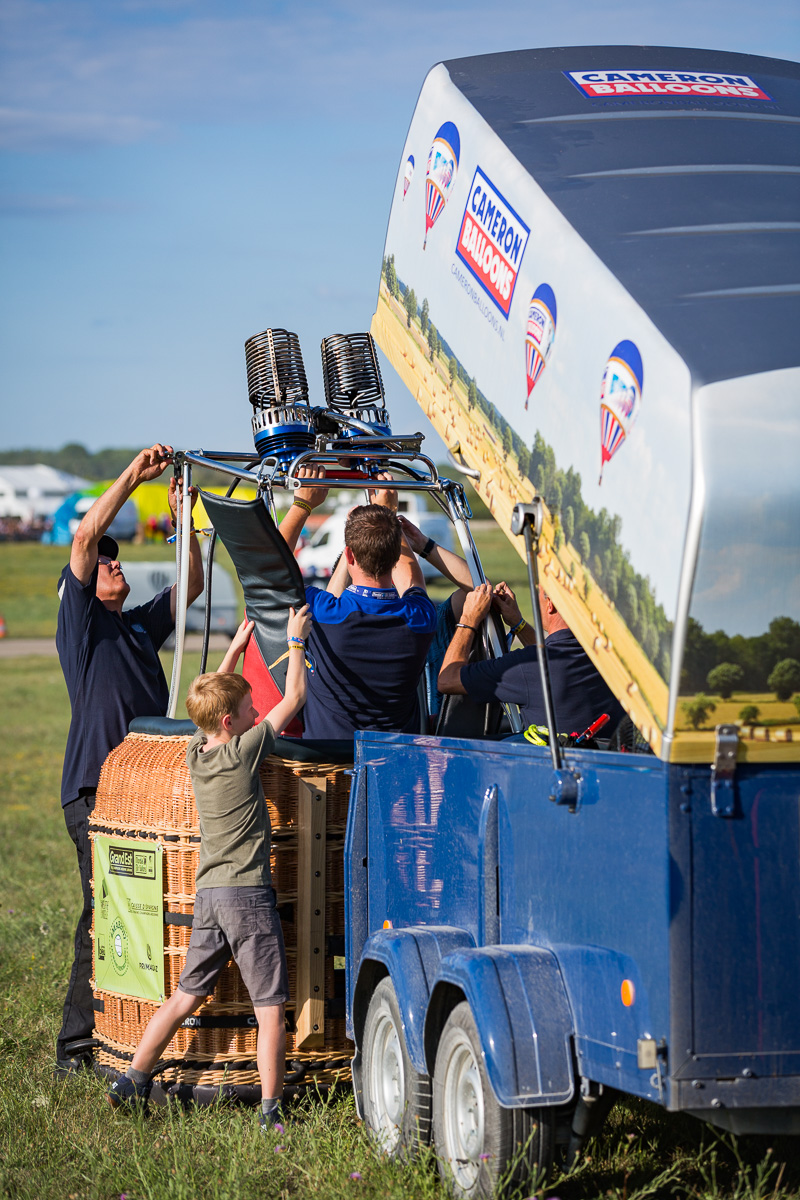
{"type": "Point", "coordinates": [125, 1093]}
{"type": "Point", "coordinates": [75, 1064]}
{"type": "Point", "coordinates": [275, 1120]}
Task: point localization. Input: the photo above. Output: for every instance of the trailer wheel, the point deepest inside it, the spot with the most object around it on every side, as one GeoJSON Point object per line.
{"type": "Point", "coordinates": [483, 1149]}
{"type": "Point", "coordinates": [396, 1097]}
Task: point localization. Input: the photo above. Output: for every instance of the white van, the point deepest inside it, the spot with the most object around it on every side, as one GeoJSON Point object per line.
{"type": "Point", "coordinates": [146, 579]}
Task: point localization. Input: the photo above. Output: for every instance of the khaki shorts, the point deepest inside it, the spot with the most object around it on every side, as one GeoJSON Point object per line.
{"type": "Point", "coordinates": [239, 923]}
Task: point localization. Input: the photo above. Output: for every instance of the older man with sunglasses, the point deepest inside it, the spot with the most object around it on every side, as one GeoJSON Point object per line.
{"type": "Point", "coordinates": [113, 674]}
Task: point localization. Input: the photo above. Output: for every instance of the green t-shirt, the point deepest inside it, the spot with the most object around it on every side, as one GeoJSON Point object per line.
{"type": "Point", "coordinates": [234, 821]}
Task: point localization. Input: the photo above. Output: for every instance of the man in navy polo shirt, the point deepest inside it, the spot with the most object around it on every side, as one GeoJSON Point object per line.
{"type": "Point", "coordinates": [580, 694]}
{"type": "Point", "coordinates": [113, 674]}
{"type": "Point", "coordinates": [370, 639]}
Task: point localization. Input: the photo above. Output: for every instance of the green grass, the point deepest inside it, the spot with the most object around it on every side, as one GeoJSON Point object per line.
{"type": "Point", "coordinates": [29, 573]}
{"type": "Point", "coordinates": [61, 1140]}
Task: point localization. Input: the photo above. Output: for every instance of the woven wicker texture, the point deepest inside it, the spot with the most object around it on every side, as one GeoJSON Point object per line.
{"type": "Point", "coordinates": [145, 793]}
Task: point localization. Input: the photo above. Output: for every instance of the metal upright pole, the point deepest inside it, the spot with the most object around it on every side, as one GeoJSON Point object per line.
{"type": "Point", "coordinates": [183, 526]}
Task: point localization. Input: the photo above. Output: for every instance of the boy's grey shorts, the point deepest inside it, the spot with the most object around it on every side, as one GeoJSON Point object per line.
{"type": "Point", "coordinates": [239, 923]}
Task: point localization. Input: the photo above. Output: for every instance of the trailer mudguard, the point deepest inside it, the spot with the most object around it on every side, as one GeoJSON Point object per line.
{"type": "Point", "coordinates": [520, 1007]}
{"type": "Point", "coordinates": [412, 958]}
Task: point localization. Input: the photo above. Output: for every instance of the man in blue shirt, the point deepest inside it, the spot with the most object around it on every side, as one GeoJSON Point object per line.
{"type": "Point", "coordinates": [580, 694]}
{"type": "Point", "coordinates": [113, 674]}
{"type": "Point", "coordinates": [370, 639]}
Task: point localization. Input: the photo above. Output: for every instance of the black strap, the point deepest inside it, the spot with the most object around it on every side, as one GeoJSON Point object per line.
{"type": "Point", "coordinates": [426, 549]}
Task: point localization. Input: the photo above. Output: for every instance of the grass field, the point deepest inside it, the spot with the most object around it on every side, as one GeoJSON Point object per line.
{"type": "Point", "coordinates": [61, 1140]}
{"type": "Point", "coordinates": [29, 573]}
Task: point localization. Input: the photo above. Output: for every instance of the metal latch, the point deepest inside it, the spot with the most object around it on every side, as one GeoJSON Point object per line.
{"type": "Point", "coordinates": [723, 772]}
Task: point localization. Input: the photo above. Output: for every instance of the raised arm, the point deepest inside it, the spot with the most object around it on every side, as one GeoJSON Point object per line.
{"type": "Point", "coordinates": [340, 579]}
{"type": "Point", "coordinates": [238, 644]}
{"type": "Point", "coordinates": [297, 630]}
{"type": "Point", "coordinates": [407, 572]}
{"type": "Point", "coordinates": [195, 557]}
{"type": "Point", "coordinates": [476, 606]}
{"type": "Point", "coordinates": [148, 464]}
{"type": "Point", "coordinates": [506, 602]}
{"type": "Point", "coordinates": [305, 500]}
{"type": "Point", "coordinates": [452, 566]}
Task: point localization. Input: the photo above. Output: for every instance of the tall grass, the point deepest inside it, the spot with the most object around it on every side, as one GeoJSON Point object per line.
{"type": "Point", "coordinates": [61, 1141]}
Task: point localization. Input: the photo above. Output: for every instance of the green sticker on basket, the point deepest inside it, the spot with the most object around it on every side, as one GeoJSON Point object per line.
{"type": "Point", "coordinates": [128, 918]}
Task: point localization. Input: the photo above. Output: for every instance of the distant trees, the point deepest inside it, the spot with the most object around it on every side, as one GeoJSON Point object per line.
{"type": "Point", "coordinates": [757, 656]}
{"type": "Point", "coordinates": [524, 461]}
{"type": "Point", "coordinates": [749, 714]}
{"type": "Point", "coordinates": [506, 441]}
{"type": "Point", "coordinates": [453, 368]}
{"type": "Point", "coordinates": [697, 711]}
{"type": "Point", "coordinates": [433, 340]}
{"type": "Point", "coordinates": [585, 548]}
{"type": "Point", "coordinates": [569, 523]}
{"type": "Point", "coordinates": [725, 679]}
{"type": "Point", "coordinates": [390, 275]}
{"type": "Point", "coordinates": [424, 317]}
{"type": "Point", "coordinates": [410, 305]}
{"type": "Point", "coordinates": [785, 678]}
{"type": "Point", "coordinates": [472, 394]}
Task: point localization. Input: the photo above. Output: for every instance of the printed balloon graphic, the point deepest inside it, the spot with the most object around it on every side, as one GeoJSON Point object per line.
{"type": "Point", "coordinates": [442, 167]}
{"type": "Point", "coordinates": [620, 399]}
{"type": "Point", "coordinates": [409, 172]}
{"type": "Point", "coordinates": [539, 334]}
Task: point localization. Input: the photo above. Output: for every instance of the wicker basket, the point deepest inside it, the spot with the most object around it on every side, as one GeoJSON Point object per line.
{"type": "Point", "coordinates": [145, 793]}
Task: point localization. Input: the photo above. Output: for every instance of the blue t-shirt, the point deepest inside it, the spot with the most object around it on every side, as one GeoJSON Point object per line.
{"type": "Point", "coordinates": [112, 671]}
{"type": "Point", "coordinates": [580, 694]}
{"type": "Point", "coordinates": [369, 647]}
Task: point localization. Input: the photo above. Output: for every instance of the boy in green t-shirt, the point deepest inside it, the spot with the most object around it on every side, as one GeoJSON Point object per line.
{"type": "Point", "coordinates": [234, 909]}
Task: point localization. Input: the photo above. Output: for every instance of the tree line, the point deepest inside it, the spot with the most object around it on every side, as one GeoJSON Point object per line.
{"type": "Point", "coordinates": [93, 465]}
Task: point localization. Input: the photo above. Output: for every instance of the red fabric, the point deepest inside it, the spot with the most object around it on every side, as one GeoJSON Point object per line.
{"type": "Point", "coordinates": [266, 693]}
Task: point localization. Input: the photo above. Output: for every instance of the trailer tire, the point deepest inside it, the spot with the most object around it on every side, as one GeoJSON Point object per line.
{"type": "Point", "coordinates": [396, 1097]}
{"type": "Point", "coordinates": [482, 1148]}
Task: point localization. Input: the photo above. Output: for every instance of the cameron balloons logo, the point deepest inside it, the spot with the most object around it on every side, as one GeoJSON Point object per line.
{"type": "Point", "coordinates": [492, 241]}
{"type": "Point", "coordinates": [540, 334]}
{"type": "Point", "coordinates": [442, 166]}
{"type": "Point", "coordinates": [620, 399]}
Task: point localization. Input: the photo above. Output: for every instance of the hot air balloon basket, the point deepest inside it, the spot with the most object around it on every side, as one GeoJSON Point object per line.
{"type": "Point", "coordinates": [145, 796]}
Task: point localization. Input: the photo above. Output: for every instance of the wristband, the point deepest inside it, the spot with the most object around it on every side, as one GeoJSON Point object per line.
{"type": "Point", "coordinates": [302, 504]}
{"type": "Point", "coordinates": [520, 625]}
{"type": "Point", "coordinates": [461, 625]}
{"type": "Point", "coordinates": [295, 641]}
{"type": "Point", "coordinates": [426, 549]}
{"type": "Point", "coordinates": [192, 530]}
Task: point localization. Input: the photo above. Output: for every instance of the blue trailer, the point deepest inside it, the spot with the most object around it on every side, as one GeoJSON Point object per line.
{"type": "Point", "coordinates": [601, 233]}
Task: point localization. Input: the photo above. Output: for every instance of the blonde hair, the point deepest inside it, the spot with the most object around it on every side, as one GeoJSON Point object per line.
{"type": "Point", "coordinates": [214, 696]}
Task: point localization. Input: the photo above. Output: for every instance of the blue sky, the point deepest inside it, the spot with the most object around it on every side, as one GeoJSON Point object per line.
{"type": "Point", "coordinates": [179, 175]}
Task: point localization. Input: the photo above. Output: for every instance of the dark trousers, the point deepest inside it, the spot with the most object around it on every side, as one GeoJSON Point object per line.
{"type": "Point", "coordinates": [78, 1018]}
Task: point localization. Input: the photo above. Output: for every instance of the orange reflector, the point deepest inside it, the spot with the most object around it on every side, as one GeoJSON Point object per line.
{"type": "Point", "coordinates": [627, 992]}
{"type": "Point", "coordinates": [387, 924]}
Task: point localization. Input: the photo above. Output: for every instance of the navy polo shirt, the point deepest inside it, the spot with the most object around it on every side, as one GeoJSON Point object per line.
{"type": "Point", "coordinates": [112, 671]}
{"type": "Point", "coordinates": [580, 694]}
{"type": "Point", "coordinates": [369, 647]}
